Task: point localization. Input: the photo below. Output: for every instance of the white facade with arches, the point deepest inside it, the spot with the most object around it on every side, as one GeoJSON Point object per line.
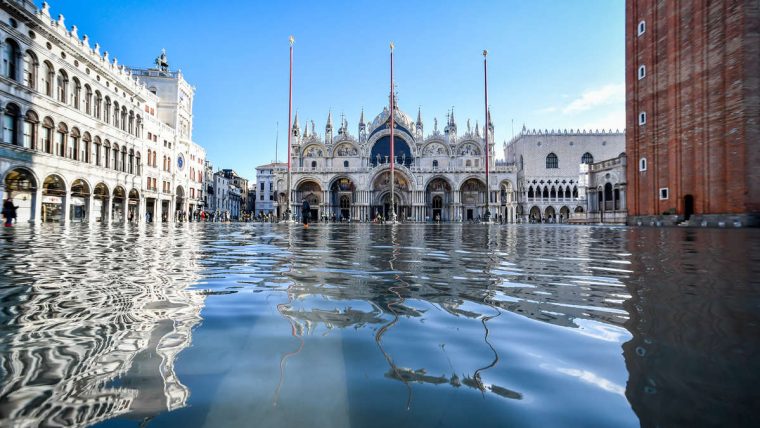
{"type": "Point", "coordinates": [82, 135]}
{"type": "Point", "coordinates": [547, 164]}
{"type": "Point", "coordinates": [438, 177]}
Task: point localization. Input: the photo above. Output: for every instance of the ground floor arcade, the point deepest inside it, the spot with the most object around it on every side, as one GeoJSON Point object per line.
{"type": "Point", "coordinates": [57, 197]}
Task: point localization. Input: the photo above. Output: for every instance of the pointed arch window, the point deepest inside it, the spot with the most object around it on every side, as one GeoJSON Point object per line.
{"type": "Point", "coordinates": [587, 158]}
{"type": "Point", "coordinates": [552, 162]}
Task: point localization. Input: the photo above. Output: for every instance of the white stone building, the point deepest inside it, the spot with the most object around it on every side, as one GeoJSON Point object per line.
{"type": "Point", "coordinates": [547, 165]}
{"type": "Point", "coordinates": [265, 191]}
{"type": "Point", "coordinates": [440, 175]}
{"type": "Point", "coordinates": [82, 134]}
{"type": "Point", "coordinates": [603, 185]}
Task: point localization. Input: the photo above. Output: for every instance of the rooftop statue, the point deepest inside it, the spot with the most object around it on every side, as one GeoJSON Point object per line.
{"type": "Point", "coordinates": [161, 61]}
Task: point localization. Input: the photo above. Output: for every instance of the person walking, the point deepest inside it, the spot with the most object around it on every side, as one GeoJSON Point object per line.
{"type": "Point", "coordinates": [305, 212]}
{"type": "Point", "coordinates": [9, 211]}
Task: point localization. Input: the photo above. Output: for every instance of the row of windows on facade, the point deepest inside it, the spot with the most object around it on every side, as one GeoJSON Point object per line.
{"type": "Point", "coordinates": [552, 160]}
{"type": "Point", "coordinates": [59, 141]}
{"type": "Point", "coordinates": [152, 184]}
{"type": "Point", "coordinates": [553, 192]}
{"type": "Point", "coordinates": [57, 84]}
{"type": "Point", "coordinates": [642, 71]}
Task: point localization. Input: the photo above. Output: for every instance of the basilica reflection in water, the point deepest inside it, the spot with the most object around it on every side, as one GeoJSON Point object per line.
{"type": "Point", "coordinates": [91, 328]}
{"type": "Point", "coordinates": [371, 281]}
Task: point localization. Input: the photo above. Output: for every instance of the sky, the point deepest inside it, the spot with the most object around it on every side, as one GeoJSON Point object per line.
{"type": "Point", "coordinates": [551, 64]}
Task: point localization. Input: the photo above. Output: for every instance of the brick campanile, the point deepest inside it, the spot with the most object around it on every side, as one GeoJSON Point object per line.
{"type": "Point", "coordinates": [693, 109]}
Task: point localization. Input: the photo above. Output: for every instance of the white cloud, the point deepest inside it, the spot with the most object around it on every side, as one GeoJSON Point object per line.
{"type": "Point", "coordinates": [612, 119]}
{"type": "Point", "coordinates": [546, 110]}
{"type": "Point", "coordinates": [607, 94]}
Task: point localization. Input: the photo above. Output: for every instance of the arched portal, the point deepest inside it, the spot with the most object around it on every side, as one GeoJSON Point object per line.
{"type": "Point", "coordinates": [311, 191]}
{"type": "Point", "coordinates": [53, 194]}
{"type": "Point", "coordinates": [381, 192]}
{"type": "Point", "coordinates": [79, 205]}
{"type": "Point", "coordinates": [342, 198]}
{"type": "Point", "coordinates": [21, 186]}
{"type": "Point", "coordinates": [564, 214]}
{"type": "Point", "coordinates": [550, 214]}
{"type": "Point", "coordinates": [101, 197]}
{"type": "Point", "coordinates": [438, 200]}
{"type": "Point", "coordinates": [473, 197]}
{"type": "Point", "coordinates": [535, 214]}
{"type": "Point", "coordinates": [179, 204]}
{"type": "Point", "coordinates": [118, 202]}
{"type": "Point", "coordinates": [133, 206]}
{"type": "Point", "coordinates": [507, 198]}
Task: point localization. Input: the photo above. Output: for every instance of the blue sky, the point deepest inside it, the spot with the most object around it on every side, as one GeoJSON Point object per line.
{"type": "Point", "coordinates": [551, 64]}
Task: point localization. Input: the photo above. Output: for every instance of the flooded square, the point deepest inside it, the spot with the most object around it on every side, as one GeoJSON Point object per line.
{"type": "Point", "coordinates": [356, 325]}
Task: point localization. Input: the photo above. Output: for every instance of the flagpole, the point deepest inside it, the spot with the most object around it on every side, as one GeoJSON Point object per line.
{"type": "Point", "coordinates": [485, 76]}
{"type": "Point", "coordinates": [393, 154]}
{"type": "Point", "coordinates": [288, 211]}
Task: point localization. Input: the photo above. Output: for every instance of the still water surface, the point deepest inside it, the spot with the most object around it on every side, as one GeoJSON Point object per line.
{"type": "Point", "coordinates": [214, 325]}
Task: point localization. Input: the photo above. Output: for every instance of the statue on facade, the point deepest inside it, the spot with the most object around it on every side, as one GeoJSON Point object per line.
{"type": "Point", "coordinates": [161, 61]}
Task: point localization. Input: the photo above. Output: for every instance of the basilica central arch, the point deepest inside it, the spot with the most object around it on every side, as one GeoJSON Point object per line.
{"type": "Point", "coordinates": [439, 200]}
{"type": "Point", "coordinates": [381, 195]}
{"type": "Point", "coordinates": [342, 197]}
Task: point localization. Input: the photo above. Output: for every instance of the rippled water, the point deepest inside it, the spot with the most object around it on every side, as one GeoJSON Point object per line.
{"type": "Point", "coordinates": [369, 325]}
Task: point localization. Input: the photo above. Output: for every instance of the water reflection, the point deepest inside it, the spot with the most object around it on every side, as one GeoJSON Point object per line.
{"type": "Point", "coordinates": [694, 359]}
{"type": "Point", "coordinates": [91, 327]}
{"type": "Point", "coordinates": [368, 325]}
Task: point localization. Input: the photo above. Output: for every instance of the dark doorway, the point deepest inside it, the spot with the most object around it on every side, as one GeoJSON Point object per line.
{"type": "Point", "coordinates": [470, 215]}
{"type": "Point", "coordinates": [688, 206]}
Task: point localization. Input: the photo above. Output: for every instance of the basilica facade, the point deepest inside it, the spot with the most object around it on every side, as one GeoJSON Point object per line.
{"type": "Point", "coordinates": [82, 134]}
{"type": "Point", "coordinates": [440, 175]}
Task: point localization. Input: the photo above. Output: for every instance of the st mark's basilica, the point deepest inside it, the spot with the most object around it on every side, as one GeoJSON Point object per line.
{"type": "Point", "coordinates": [438, 176]}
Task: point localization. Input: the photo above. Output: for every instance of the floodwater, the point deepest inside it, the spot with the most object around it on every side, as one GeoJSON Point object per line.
{"type": "Point", "coordinates": [209, 325]}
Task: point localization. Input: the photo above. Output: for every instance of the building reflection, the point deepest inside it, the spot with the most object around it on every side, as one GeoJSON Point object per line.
{"type": "Point", "coordinates": [371, 277]}
{"type": "Point", "coordinates": [693, 358]}
{"type": "Point", "coordinates": [93, 327]}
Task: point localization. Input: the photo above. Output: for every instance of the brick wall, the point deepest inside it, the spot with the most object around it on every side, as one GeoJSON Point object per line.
{"type": "Point", "coordinates": [700, 94]}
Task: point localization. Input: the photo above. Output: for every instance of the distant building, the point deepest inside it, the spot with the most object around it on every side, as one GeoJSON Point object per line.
{"type": "Point", "coordinates": [242, 185]}
{"type": "Point", "coordinates": [693, 111]}
{"type": "Point", "coordinates": [265, 188]}
{"type": "Point", "coordinates": [548, 180]}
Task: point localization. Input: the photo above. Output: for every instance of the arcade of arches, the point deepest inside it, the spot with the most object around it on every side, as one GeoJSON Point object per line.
{"type": "Point", "coordinates": [441, 200]}
{"type": "Point", "coordinates": [54, 199]}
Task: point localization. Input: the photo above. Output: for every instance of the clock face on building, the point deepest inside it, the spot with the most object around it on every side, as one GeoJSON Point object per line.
{"type": "Point", "coordinates": [180, 162]}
